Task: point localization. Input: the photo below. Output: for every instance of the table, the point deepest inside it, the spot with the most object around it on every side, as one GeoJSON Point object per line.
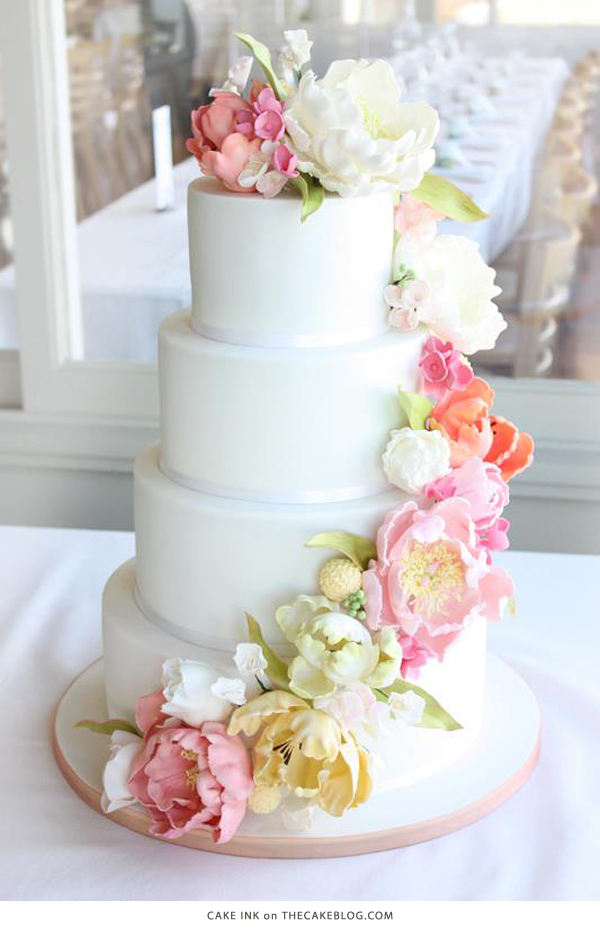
{"type": "Point", "coordinates": [505, 150]}
{"type": "Point", "coordinates": [134, 266]}
{"type": "Point", "coordinates": [542, 845]}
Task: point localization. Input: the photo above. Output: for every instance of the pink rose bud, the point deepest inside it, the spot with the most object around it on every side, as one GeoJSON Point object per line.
{"type": "Point", "coordinates": [285, 162]}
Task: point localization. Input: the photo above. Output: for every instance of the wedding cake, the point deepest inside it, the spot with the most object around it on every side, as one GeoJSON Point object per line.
{"type": "Point", "coordinates": [304, 623]}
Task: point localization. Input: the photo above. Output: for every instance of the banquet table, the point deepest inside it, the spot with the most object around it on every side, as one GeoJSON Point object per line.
{"type": "Point", "coordinates": [133, 260]}
{"type": "Point", "coordinates": [541, 845]}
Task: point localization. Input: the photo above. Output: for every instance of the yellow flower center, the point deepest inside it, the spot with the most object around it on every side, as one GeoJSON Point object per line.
{"type": "Point", "coordinates": [193, 771]}
{"type": "Point", "coordinates": [431, 574]}
{"type": "Point", "coordinates": [372, 122]}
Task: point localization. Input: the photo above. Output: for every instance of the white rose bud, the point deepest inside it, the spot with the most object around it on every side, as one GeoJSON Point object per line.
{"type": "Point", "coordinates": [187, 689]}
{"type": "Point", "coordinates": [414, 457]}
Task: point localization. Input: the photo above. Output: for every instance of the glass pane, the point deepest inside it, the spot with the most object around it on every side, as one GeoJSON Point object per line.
{"type": "Point", "coordinates": [8, 317]}
{"type": "Point", "coordinates": [135, 72]}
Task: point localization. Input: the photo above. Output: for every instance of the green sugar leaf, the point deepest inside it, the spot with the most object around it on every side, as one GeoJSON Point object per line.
{"type": "Point", "coordinates": [446, 197]}
{"type": "Point", "coordinates": [263, 57]}
{"type": "Point", "coordinates": [276, 667]}
{"type": "Point", "coordinates": [356, 548]}
{"type": "Point", "coordinates": [434, 715]}
{"type": "Point", "coordinates": [108, 726]}
{"type": "Point", "coordinates": [416, 407]}
{"type": "Point", "coordinates": [312, 194]}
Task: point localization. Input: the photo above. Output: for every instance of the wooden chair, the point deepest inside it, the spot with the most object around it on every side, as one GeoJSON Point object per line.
{"type": "Point", "coordinates": [536, 274]}
{"type": "Point", "coordinates": [94, 120]}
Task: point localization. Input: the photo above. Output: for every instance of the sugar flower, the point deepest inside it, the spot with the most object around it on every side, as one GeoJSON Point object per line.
{"type": "Point", "coordinates": [464, 418]}
{"type": "Point", "coordinates": [188, 693]}
{"type": "Point", "coordinates": [414, 456]}
{"type": "Point", "coordinates": [350, 130]}
{"type": "Point", "coordinates": [190, 777]}
{"type": "Point", "coordinates": [414, 655]}
{"type": "Point", "coordinates": [249, 659]}
{"type": "Point", "coordinates": [296, 50]}
{"type": "Point", "coordinates": [304, 751]}
{"type": "Point", "coordinates": [232, 690]}
{"type": "Point", "coordinates": [124, 747]}
{"type": "Point", "coordinates": [416, 218]}
{"type": "Point", "coordinates": [408, 302]}
{"type": "Point", "coordinates": [482, 485]}
{"type": "Point", "coordinates": [336, 649]}
{"type": "Point", "coordinates": [430, 579]}
{"type": "Point", "coordinates": [407, 707]}
{"type": "Point", "coordinates": [444, 368]}
{"type": "Point", "coordinates": [237, 77]}
{"type": "Point", "coordinates": [460, 308]}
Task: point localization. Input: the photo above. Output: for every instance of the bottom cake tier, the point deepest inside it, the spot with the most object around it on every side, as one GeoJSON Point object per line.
{"type": "Point", "coordinates": [135, 649]}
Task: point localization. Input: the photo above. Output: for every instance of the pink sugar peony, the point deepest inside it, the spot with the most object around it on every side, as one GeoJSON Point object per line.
{"type": "Point", "coordinates": [285, 161]}
{"type": "Point", "coordinates": [212, 123]}
{"type": "Point", "coordinates": [189, 777]}
{"type": "Point", "coordinates": [431, 579]}
{"type": "Point", "coordinates": [228, 164]}
{"type": "Point", "coordinates": [479, 483]}
{"type": "Point", "coordinates": [444, 368]}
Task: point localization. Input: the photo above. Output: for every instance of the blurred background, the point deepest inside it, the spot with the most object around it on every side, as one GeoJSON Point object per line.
{"type": "Point", "coordinates": [516, 84]}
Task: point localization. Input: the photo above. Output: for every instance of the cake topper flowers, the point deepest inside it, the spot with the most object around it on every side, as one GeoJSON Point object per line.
{"type": "Point", "coordinates": [348, 133]}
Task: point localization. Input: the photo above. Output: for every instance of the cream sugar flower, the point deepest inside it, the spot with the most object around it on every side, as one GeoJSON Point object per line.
{"type": "Point", "coordinates": [414, 456]}
{"type": "Point", "coordinates": [350, 130]}
{"type": "Point", "coordinates": [335, 650]}
{"type": "Point", "coordinates": [459, 305]}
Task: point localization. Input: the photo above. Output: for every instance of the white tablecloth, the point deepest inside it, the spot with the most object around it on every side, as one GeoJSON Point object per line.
{"type": "Point", "coordinates": [542, 844]}
{"type": "Point", "coordinates": [134, 262]}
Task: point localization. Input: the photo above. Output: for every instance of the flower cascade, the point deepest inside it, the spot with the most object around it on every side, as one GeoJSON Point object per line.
{"type": "Point", "coordinates": [289, 735]}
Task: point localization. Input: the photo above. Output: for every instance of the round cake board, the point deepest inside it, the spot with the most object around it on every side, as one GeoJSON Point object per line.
{"type": "Point", "coordinates": [493, 769]}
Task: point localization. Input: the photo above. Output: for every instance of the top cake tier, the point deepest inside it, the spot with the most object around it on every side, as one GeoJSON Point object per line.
{"type": "Point", "coordinates": [260, 277]}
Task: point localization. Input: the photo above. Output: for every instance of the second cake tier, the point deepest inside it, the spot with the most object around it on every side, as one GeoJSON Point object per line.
{"type": "Point", "coordinates": [203, 560]}
{"type": "Point", "coordinates": [281, 425]}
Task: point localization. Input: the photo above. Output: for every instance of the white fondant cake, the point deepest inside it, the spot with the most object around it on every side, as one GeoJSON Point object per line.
{"type": "Point", "coordinates": [291, 288]}
{"type": "Point", "coordinates": [305, 619]}
{"type": "Point", "coordinates": [135, 649]}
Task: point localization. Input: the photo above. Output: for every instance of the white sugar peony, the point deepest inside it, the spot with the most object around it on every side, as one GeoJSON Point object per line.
{"type": "Point", "coordinates": [414, 457]}
{"type": "Point", "coordinates": [407, 707]}
{"type": "Point", "coordinates": [350, 130]}
{"type": "Point", "coordinates": [124, 747]}
{"type": "Point", "coordinates": [460, 305]}
{"type": "Point", "coordinates": [187, 689]}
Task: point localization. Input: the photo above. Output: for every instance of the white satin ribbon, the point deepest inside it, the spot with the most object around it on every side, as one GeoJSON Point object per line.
{"type": "Point", "coordinates": [212, 643]}
{"type": "Point", "coordinates": [242, 337]}
{"type": "Point", "coordinates": [262, 496]}
{"type": "Point", "coordinates": [194, 638]}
